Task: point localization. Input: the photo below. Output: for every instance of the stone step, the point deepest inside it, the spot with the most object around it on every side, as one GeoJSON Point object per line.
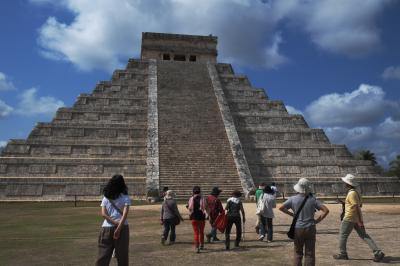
{"type": "Point", "coordinates": [111, 102]}
{"type": "Point", "coordinates": [137, 64]}
{"type": "Point", "coordinates": [109, 142]}
{"type": "Point", "coordinates": [98, 131]}
{"type": "Point", "coordinates": [94, 150]}
{"type": "Point", "coordinates": [64, 167]}
{"type": "Point", "coordinates": [255, 106]}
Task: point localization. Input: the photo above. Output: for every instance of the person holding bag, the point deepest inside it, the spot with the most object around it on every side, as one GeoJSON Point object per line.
{"type": "Point", "coordinates": [170, 217]}
{"type": "Point", "coordinates": [197, 209]}
{"type": "Point", "coordinates": [215, 207]}
{"type": "Point", "coordinates": [304, 206]}
{"type": "Point", "coordinates": [114, 233]}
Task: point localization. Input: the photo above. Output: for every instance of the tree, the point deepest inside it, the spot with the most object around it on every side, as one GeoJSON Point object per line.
{"type": "Point", "coordinates": [367, 156]}
{"type": "Point", "coordinates": [395, 166]}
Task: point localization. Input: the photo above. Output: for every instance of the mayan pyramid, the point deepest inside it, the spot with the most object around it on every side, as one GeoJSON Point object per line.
{"type": "Point", "coordinates": [176, 118]}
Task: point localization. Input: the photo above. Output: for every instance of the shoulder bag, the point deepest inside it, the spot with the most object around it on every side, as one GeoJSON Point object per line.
{"type": "Point", "coordinates": [290, 234]}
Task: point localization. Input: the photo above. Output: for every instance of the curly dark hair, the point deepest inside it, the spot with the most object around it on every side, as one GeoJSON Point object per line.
{"type": "Point", "coordinates": [115, 186]}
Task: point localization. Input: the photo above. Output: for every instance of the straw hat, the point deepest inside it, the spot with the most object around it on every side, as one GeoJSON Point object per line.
{"type": "Point", "coordinates": [302, 186]}
{"type": "Point", "coordinates": [350, 179]}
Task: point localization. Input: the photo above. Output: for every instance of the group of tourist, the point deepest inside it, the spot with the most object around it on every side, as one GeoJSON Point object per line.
{"type": "Point", "coordinates": [114, 234]}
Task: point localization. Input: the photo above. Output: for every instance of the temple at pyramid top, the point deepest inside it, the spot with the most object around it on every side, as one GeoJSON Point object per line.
{"type": "Point", "coordinates": [179, 47]}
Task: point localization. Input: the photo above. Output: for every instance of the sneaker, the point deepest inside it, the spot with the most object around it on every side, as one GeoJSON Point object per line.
{"type": "Point", "coordinates": [379, 257]}
{"type": "Point", "coordinates": [340, 257]}
{"type": "Point", "coordinates": [162, 241]}
{"type": "Point", "coordinates": [197, 250]}
{"type": "Point", "coordinates": [171, 242]}
{"type": "Point", "coordinates": [261, 237]}
{"type": "Point", "coordinates": [216, 239]}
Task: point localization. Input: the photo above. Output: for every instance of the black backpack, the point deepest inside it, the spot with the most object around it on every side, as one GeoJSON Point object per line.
{"type": "Point", "coordinates": [197, 214]}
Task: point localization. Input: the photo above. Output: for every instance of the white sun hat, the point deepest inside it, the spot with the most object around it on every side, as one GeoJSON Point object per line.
{"type": "Point", "coordinates": [302, 186]}
{"type": "Point", "coordinates": [350, 179]}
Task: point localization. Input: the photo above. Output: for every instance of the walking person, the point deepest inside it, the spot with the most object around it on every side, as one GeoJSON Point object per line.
{"type": "Point", "coordinates": [353, 219]}
{"type": "Point", "coordinates": [234, 207]}
{"type": "Point", "coordinates": [215, 208]}
{"type": "Point", "coordinates": [170, 217]}
{"type": "Point", "coordinates": [259, 193]}
{"type": "Point", "coordinates": [305, 229]}
{"type": "Point", "coordinates": [269, 201]}
{"type": "Point", "coordinates": [114, 233]}
{"type": "Point", "coordinates": [197, 209]}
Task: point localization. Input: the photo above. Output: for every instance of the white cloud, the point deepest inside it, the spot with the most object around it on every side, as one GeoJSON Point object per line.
{"type": "Point", "coordinates": [5, 84]}
{"type": "Point", "coordinates": [360, 107]}
{"type": "Point", "coordinates": [248, 30]}
{"type": "Point", "coordinates": [392, 72]}
{"type": "Point", "coordinates": [344, 27]}
{"type": "Point", "coordinates": [291, 110]}
{"type": "Point", "coordinates": [30, 104]}
{"type": "Point", "coordinates": [389, 129]}
{"type": "Point", "coordinates": [5, 109]}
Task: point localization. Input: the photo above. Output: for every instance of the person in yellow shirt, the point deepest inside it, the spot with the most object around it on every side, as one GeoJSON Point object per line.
{"type": "Point", "coordinates": [353, 219]}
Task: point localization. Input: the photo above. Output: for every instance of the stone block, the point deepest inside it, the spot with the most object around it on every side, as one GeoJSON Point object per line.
{"type": "Point", "coordinates": [79, 150]}
{"type": "Point", "coordinates": [106, 133]}
{"type": "Point", "coordinates": [309, 152]}
{"type": "Point", "coordinates": [17, 189]}
{"type": "Point", "coordinates": [309, 171]}
{"type": "Point", "coordinates": [17, 170]}
{"type": "Point", "coordinates": [328, 170]}
{"type": "Point", "coordinates": [117, 117]}
{"type": "Point", "coordinates": [89, 169]}
{"type": "Point", "coordinates": [292, 152]}
{"type": "Point", "coordinates": [42, 169]}
{"type": "Point", "coordinates": [92, 116]}
{"type": "Point", "coordinates": [54, 189]}
{"type": "Point", "coordinates": [83, 190]}
{"type": "Point", "coordinates": [326, 152]}
{"type": "Point", "coordinates": [17, 149]}
{"type": "Point", "coordinates": [74, 132]}
{"type": "Point", "coordinates": [289, 170]}
{"type": "Point", "coordinates": [3, 168]}
{"type": "Point", "coordinates": [64, 115]}
{"type": "Point", "coordinates": [39, 132]}
{"type": "Point", "coordinates": [100, 150]}
{"type": "Point", "coordinates": [56, 149]}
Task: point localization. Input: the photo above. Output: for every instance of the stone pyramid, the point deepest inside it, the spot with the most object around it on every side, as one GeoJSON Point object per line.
{"type": "Point", "coordinates": [177, 118]}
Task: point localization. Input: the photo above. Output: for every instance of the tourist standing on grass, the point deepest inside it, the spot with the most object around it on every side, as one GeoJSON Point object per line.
{"type": "Point", "coordinates": [353, 219]}
{"type": "Point", "coordinates": [215, 208]}
{"type": "Point", "coordinates": [305, 229]}
{"type": "Point", "coordinates": [170, 216]}
{"type": "Point", "coordinates": [114, 232]}
{"type": "Point", "coordinates": [234, 207]}
{"type": "Point", "coordinates": [259, 193]}
{"type": "Point", "coordinates": [269, 201]}
{"type": "Point", "coordinates": [197, 209]}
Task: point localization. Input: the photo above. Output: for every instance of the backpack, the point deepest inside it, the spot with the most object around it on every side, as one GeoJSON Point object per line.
{"type": "Point", "coordinates": [197, 214]}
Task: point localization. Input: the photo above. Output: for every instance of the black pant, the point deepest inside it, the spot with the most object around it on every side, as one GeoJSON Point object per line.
{"type": "Point", "coordinates": [238, 223]}
{"type": "Point", "coordinates": [169, 224]}
{"type": "Point", "coordinates": [266, 224]}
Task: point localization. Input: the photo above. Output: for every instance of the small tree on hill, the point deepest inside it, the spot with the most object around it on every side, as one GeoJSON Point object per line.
{"type": "Point", "coordinates": [366, 155]}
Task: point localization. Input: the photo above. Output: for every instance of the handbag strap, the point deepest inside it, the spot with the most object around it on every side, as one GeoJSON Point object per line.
{"type": "Point", "coordinates": [299, 210]}
{"type": "Point", "coordinates": [115, 207]}
{"type": "Point", "coordinates": [170, 209]}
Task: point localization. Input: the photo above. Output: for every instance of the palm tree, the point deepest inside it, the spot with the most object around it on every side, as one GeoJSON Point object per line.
{"type": "Point", "coordinates": [395, 166]}
{"type": "Point", "coordinates": [366, 155]}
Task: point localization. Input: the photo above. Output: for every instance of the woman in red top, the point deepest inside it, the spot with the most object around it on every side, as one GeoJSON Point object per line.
{"type": "Point", "coordinates": [215, 208]}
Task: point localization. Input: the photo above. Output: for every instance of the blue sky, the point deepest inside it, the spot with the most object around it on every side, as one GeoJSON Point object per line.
{"type": "Point", "coordinates": [337, 62]}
